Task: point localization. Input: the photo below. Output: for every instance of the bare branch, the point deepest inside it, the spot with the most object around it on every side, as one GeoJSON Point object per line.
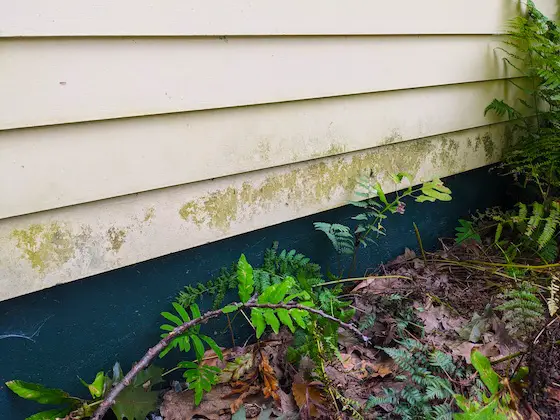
{"type": "Point", "coordinates": [153, 352]}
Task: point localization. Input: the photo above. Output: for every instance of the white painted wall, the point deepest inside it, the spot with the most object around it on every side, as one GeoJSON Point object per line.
{"type": "Point", "coordinates": [132, 129]}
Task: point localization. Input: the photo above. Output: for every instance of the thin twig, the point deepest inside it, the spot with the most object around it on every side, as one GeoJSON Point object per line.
{"type": "Point", "coordinates": [419, 239]}
{"type": "Point", "coordinates": [152, 353]}
{"type": "Point", "coordinates": [352, 279]}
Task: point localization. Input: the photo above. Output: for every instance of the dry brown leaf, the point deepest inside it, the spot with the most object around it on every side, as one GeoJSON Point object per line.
{"type": "Point", "coordinates": [270, 381]}
{"type": "Point", "coordinates": [362, 369]}
{"type": "Point", "coordinates": [180, 405]}
{"type": "Point", "coordinates": [249, 390]}
{"type": "Point", "coordinates": [287, 403]}
{"type": "Point", "coordinates": [308, 396]}
{"type": "Point", "coordinates": [210, 357]}
{"type": "Point", "coordinates": [376, 285]}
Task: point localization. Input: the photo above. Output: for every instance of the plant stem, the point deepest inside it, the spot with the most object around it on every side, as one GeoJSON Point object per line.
{"type": "Point", "coordinates": [508, 357]}
{"type": "Point", "coordinates": [419, 239]}
{"type": "Point", "coordinates": [360, 279]}
{"type": "Point", "coordinates": [153, 352]}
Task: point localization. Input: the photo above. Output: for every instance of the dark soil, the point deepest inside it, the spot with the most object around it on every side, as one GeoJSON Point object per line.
{"type": "Point", "coordinates": [544, 365]}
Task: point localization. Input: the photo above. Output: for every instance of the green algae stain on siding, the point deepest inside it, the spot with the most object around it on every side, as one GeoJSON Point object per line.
{"type": "Point", "coordinates": [313, 183]}
{"type": "Point", "coordinates": [149, 215]}
{"type": "Point", "coordinates": [46, 246]}
{"type": "Point", "coordinates": [116, 238]}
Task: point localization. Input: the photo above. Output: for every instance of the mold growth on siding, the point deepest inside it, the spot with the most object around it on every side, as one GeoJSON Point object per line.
{"type": "Point", "coordinates": [312, 184]}
{"type": "Point", "coordinates": [150, 214]}
{"type": "Point", "coordinates": [46, 246]}
{"type": "Point", "coordinates": [116, 238]}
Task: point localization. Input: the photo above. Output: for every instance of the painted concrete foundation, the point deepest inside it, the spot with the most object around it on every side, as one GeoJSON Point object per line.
{"type": "Point", "coordinates": [76, 329]}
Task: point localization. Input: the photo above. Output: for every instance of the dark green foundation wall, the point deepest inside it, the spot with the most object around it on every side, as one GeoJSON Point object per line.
{"type": "Point", "coordinates": [87, 325]}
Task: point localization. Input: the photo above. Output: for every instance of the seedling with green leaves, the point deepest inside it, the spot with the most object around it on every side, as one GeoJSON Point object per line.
{"type": "Point", "coordinates": [499, 402]}
{"type": "Point", "coordinates": [133, 403]}
{"type": "Point", "coordinates": [376, 207]}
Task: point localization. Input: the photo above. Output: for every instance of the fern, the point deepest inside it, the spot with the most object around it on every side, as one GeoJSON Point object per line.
{"type": "Point", "coordinates": [532, 48]}
{"type": "Point", "coordinates": [340, 236]}
{"type": "Point", "coordinates": [425, 397]}
{"type": "Point", "coordinates": [275, 268]}
{"type": "Point", "coordinates": [522, 310]}
{"type": "Point", "coordinates": [535, 228]}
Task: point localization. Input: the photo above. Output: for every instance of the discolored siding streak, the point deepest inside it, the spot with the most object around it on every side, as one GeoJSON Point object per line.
{"type": "Point", "coordinates": [319, 180]}
{"type": "Point", "coordinates": [44, 249]}
{"type": "Point", "coordinates": [116, 238]}
{"type": "Point", "coordinates": [46, 246]}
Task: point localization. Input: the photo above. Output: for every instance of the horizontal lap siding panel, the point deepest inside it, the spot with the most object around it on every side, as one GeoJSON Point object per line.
{"type": "Point", "coordinates": [56, 166]}
{"type": "Point", "coordinates": [44, 249]}
{"type": "Point", "coordinates": [55, 81]}
{"type": "Point", "coordinates": [255, 17]}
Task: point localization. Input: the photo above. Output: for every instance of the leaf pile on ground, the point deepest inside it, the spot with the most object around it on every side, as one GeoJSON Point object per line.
{"type": "Point", "coordinates": [421, 312]}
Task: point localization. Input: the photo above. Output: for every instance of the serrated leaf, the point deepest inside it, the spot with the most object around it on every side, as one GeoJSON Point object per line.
{"type": "Point", "coordinates": [245, 278]}
{"type": "Point", "coordinates": [39, 393]}
{"type": "Point", "coordinates": [257, 318]}
{"type": "Point", "coordinates": [423, 198]}
{"type": "Point", "coordinates": [299, 316]}
{"type": "Point", "coordinates": [134, 403]}
{"type": "Point", "coordinates": [285, 319]}
{"type": "Point", "coordinates": [271, 320]}
{"type": "Point", "coordinates": [150, 376]}
{"type": "Point", "coordinates": [280, 290]}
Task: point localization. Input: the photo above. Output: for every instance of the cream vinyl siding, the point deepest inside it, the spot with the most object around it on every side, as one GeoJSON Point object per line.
{"type": "Point", "coordinates": [129, 130]}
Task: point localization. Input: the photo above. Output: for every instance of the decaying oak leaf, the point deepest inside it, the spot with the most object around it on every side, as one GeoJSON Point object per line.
{"type": "Point", "coordinates": [235, 370]}
{"type": "Point", "coordinates": [245, 391]}
{"type": "Point", "coordinates": [362, 368]}
{"type": "Point", "coordinates": [180, 405]}
{"type": "Point", "coordinates": [308, 397]}
{"type": "Point", "coordinates": [270, 388]}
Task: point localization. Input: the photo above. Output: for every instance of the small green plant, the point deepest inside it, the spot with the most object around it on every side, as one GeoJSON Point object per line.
{"type": "Point", "coordinates": [376, 208]}
{"type": "Point", "coordinates": [523, 312]}
{"type": "Point", "coordinates": [498, 401]}
{"type": "Point", "coordinates": [134, 403]}
{"type": "Point", "coordinates": [275, 267]}
{"type": "Point", "coordinates": [427, 390]}
{"type": "Point", "coordinates": [466, 231]}
{"type": "Point", "coordinates": [532, 49]}
{"type": "Point", "coordinates": [529, 230]}
{"type": "Point", "coordinates": [193, 335]}
{"type": "Point", "coordinates": [200, 378]}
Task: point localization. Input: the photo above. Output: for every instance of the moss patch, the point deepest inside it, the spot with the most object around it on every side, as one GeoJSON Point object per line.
{"type": "Point", "coordinates": [116, 239]}
{"type": "Point", "coordinates": [307, 184]}
{"type": "Point", "coordinates": [150, 214]}
{"type": "Point", "coordinates": [45, 246]}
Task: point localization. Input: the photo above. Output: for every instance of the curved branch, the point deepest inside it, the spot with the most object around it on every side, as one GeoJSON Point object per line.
{"type": "Point", "coordinates": [152, 353]}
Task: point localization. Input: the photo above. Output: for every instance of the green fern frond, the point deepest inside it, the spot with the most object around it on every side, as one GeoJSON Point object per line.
{"type": "Point", "coordinates": [340, 236]}
{"type": "Point", "coordinates": [522, 310]}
